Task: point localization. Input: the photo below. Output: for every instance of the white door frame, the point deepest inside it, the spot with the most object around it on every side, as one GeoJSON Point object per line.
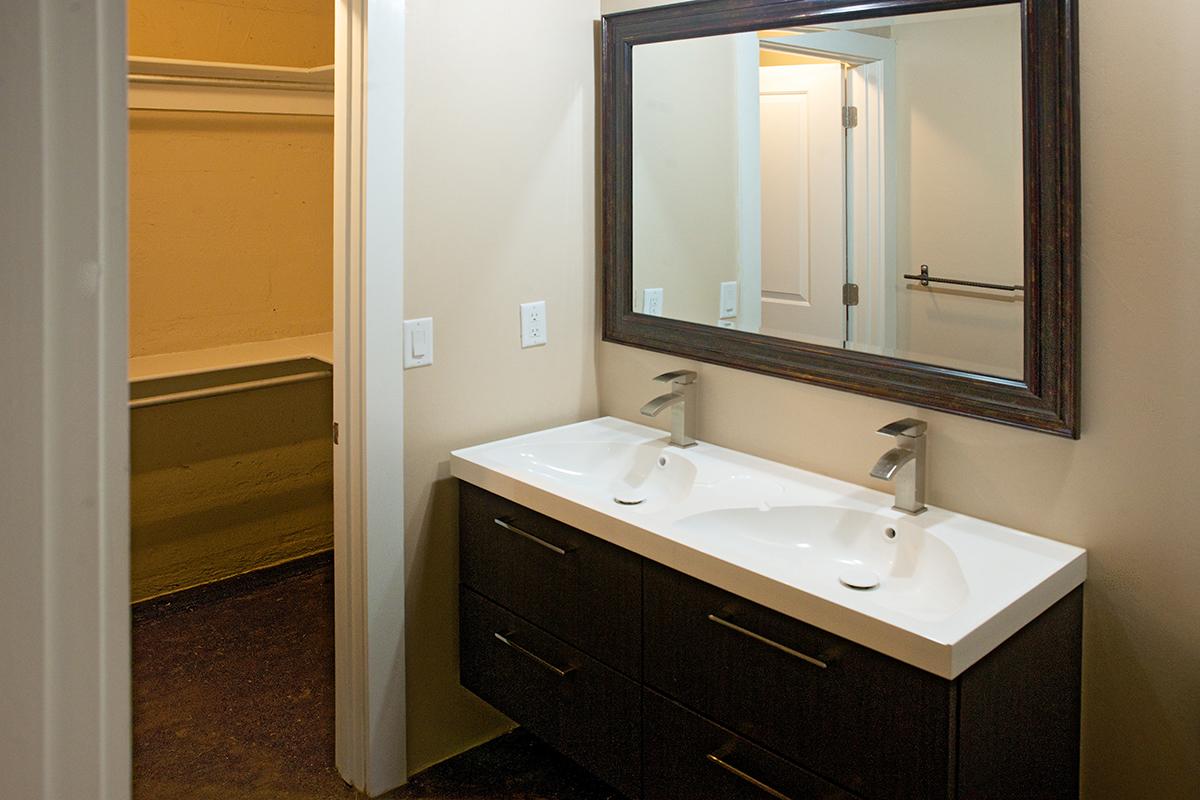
{"type": "Point", "coordinates": [349, 555]}
{"type": "Point", "coordinates": [369, 573]}
{"type": "Point", "coordinates": [64, 414]}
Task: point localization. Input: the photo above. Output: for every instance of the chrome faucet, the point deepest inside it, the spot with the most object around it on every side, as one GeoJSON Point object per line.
{"type": "Point", "coordinates": [905, 464]}
{"type": "Point", "coordinates": [681, 400]}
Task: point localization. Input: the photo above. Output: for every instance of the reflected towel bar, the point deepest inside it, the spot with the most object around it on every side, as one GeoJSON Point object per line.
{"type": "Point", "coordinates": [228, 388]}
{"type": "Point", "coordinates": [925, 278]}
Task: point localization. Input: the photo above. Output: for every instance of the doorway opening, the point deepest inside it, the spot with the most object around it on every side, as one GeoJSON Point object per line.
{"type": "Point", "coordinates": [829, 94]}
{"type": "Point", "coordinates": [231, 291]}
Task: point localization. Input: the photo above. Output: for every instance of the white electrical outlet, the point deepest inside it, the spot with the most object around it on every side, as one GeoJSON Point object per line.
{"type": "Point", "coordinates": [533, 324]}
{"type": "Point", "coordinates": [729, 292]}
{"type": "Point", "coordinates": [418, 342]}
{"type": "Point", "coordinates": [652, 302]}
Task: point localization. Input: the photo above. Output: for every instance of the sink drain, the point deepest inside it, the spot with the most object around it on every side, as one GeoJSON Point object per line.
{"type": "Point", "coordinates": [629, 501]}
{"type": "Point", "coordinates": [860, 579]}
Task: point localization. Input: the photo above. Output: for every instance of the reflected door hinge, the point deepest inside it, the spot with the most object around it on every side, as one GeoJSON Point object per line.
{"type": "Point", "coordinates": [849, 117]}
{"type": "Point", "coordinates": [850, 294]}
{"type": "Point", "coordinates": [335, 433]}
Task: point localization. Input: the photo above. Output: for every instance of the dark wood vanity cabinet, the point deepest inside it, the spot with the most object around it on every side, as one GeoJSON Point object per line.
{"type": "Point", "coordinates": [672, 689]}
{"type": "Point", "coordinates": [585, 710]}
{"type": "Point", "coordinates": [550, 632]}
{"type": "Point", "coordinates": [581, 589]}
{"type": "Point", "coordinates": [873, 724]}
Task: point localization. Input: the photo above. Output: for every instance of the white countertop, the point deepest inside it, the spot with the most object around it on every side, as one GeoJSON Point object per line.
{"type": "Point", "coordinates": [985, 581]}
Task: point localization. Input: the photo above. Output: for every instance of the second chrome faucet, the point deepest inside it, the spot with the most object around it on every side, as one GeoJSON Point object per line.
{"type": "Point", "coordinates": [905, 464]}
{"type": "Point", "coordinates": [682, 402]}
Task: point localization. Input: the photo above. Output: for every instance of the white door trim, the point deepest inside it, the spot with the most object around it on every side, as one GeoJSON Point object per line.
{"type": "Point", "coordinates": [350, 627]}
{"type": "Point", "coordinates": [64, 479]}
{"type": "Point", "coordinates": [369, 395]}
{"type": "Point", "coordinates": [871, 205]}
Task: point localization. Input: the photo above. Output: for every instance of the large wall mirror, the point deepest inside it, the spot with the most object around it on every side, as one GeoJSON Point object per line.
{"type": "Point", "coordinates": [879, 197]}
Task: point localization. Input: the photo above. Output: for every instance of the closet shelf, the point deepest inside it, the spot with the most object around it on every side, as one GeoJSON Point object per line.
{"type": "Point", "coordinates": [183, 85]}
{"type": "Point", "coordinates": [199, 374]}
{"type": "Point", "coordinates": [249, 354]}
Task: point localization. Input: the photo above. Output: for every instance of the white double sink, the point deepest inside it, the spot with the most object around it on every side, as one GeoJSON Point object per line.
{"type": "Point", "coordinates": [938, 591]}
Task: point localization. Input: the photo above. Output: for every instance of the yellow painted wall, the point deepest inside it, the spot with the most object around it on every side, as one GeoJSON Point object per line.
{"type": "Point", "coordinates": [1127, 490]}
{"type": "Point", "coordinates": [774, 58]}
{"type": "Point", "coordinates": [228, 484]}
{"type": "Point", "coordinates": [231, 241]}
{"type": "Point", "coordinates": [290, 33]}
{"type": "Point", "coordinates": [231, 229]}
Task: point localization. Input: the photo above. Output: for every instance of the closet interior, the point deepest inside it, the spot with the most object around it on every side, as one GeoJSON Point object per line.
{"type": "Point", "coordinates": [230, 268]}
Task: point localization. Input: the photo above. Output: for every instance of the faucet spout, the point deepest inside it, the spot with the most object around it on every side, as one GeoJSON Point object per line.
{"type": "Point", "coordinates": [890, 462]}
{"type": "Point", "coordinates": [682, 402]}
{"type": "Point", "coordinates": [904, 464]}
{"type": "Point", "coordinates": [661, 403]}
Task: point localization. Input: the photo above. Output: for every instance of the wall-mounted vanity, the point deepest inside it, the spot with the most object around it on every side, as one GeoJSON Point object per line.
{"type": "Point", "coordinates": [878, 197]}
{"type": "Point", "coordinates": [698, 623]}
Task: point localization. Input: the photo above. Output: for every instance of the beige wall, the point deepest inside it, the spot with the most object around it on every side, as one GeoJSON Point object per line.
{"type": "Point", "coordinates": [685, 174]}
{"type": "Point", "coordinates": [1126, 490]}
{"type": "Point", "coordinates": [960, 179]}
{"type": "Point", "coordinates": [500, 209]}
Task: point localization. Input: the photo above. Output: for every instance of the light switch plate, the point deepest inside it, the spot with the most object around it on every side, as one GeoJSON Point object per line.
{"type": "Point", "coordinates": [652, 302]}
{"type": "Point", "coordinates": [729, 293]}
{"type": "Point", "coordinates": [533, 324]}
{"type": "Point", "coordinates": [418, 342]}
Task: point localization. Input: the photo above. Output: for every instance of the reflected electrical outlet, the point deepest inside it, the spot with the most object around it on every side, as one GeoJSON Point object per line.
{"type": "Point", "coordinates": [652, 302]}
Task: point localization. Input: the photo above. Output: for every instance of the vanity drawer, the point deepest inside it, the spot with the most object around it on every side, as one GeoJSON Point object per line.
{"type": "Point", "coordinates": [687, 756]}
{"type": "Point", "coordinates": [578, 706]}
{"type": "Point", "coordinates": [583, 590]}
{"type": "Point", "coordinates": [858, 718]}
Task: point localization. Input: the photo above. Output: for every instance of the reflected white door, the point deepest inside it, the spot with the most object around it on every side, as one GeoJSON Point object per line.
{"type": "Point", "coordinates": [803, 202]}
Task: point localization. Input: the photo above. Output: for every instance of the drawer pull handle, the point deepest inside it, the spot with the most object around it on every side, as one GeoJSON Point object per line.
{"type": "Point", "coordinates": [552, 547]}
{"type": "Point", "coordinates": [750, 779]}
{"type": "Point", "coordinates": [503, 638]}
{"type": "Point", "coordinates": [816, 662]}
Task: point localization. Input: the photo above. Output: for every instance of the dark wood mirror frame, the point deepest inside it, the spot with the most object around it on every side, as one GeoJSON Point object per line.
{"type": "Point", "coordinates": [1048, 399]}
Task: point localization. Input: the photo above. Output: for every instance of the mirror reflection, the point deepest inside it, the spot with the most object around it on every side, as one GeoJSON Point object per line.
{"type": "Point", "coordinates": [855, 185]}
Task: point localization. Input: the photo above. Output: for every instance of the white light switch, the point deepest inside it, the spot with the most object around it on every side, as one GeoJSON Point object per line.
{"type": "Point", "coordinates": [418, 342]}
{"type": "Point", "coordinates": [533, 324]}
{"type": "Point", "coordinates": [729, 291]}
{"type": "Point", "coordinates": [652, 302]}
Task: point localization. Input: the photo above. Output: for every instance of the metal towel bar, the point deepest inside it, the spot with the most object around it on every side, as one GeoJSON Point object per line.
{"type": "Point", "coordinates": [925, 278]}
{"type": "Point", "coordinates": [228, 388]}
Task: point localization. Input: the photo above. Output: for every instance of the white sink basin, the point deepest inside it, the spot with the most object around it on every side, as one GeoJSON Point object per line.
{"type": "Point", "coordinates": [902, 565]}
{"type": "Point", "coordinates": [635, 474]}
{"type": "Point", "coordinates": [940, 593]}
{"type": "Point", "coordinates": [643, 476]}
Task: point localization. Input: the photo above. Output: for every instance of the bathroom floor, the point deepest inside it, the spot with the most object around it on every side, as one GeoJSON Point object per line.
{"type": "Point", "coordinates": [233, 700]}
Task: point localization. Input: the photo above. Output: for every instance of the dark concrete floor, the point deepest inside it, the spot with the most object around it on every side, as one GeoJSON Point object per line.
{"type": "Point", "coordinates": [233, 700]}
{"type": "Point", "coordinates": [514, 767]}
